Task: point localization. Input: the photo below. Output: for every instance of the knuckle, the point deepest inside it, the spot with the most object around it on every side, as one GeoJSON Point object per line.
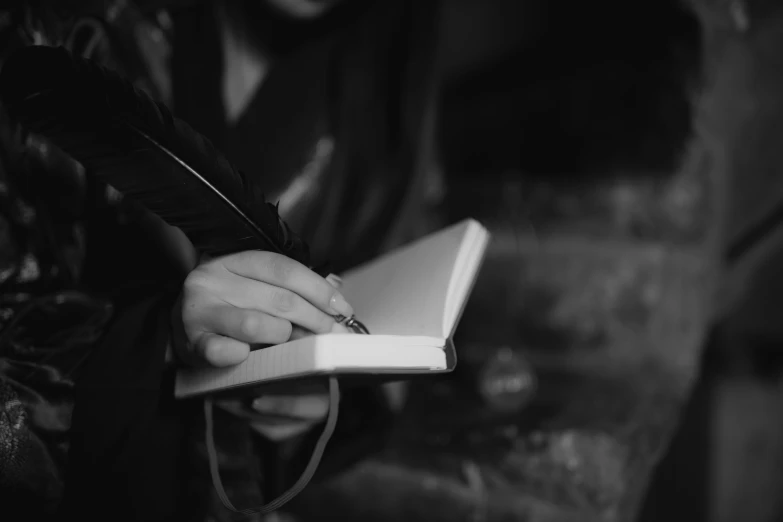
{"type": "Point", "coordinates": [191, 313]}
{"type": "Point", "coordinates": [241, 262]}
{"type": "Point", "coordinates": [284, 300]}
{"type": "Point", "coordinates": [196, 281]}
{"type": "Point", "coordinates": [280, 268]}
{"type": "Point", "coordinates": [190, 317]}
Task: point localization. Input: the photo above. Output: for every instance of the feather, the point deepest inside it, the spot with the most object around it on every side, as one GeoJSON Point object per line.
{"type": "Point", "coordinates": [127, 140]}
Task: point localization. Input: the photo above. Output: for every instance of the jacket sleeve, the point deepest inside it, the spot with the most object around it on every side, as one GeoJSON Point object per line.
{"type": "Point", "coordinates": [127, 431]}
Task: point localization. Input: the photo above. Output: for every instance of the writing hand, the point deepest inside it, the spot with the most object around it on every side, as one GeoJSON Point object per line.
{"type": "Point", "coordinates": [254, 297]}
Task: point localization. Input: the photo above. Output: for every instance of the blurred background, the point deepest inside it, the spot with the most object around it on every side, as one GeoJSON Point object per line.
{"type": "Point", "coordinates": [620, 358]}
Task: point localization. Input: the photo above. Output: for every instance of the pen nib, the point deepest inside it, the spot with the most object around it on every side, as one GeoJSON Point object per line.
{"type": "Point", "coordinates": [353, 323]}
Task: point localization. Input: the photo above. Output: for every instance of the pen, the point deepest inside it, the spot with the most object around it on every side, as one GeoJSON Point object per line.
{"type": "Point", "coordinates": [353, 323]}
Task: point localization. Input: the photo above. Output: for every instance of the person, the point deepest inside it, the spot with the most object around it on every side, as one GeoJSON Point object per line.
{"type": "Point", "coordinates": [131, 444]}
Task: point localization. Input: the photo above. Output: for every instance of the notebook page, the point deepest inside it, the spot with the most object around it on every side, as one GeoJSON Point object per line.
{"type": "Point", "coordinates": [403, 354]}
{"type": "Point", "coordinates": [466, 269]}
{"type": "Point", "coordinates": [287, 359]}
{"type": "Point", "coordinates": [404, 292]}
{"type": "Point", "coordinates": [323, 352]}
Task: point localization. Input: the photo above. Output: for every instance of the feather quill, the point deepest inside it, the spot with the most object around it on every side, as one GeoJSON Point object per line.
{"type": "Point", "coordinates": [119, 134]}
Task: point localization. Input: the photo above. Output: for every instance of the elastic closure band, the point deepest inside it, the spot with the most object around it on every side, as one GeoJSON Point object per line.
{"type": "Point", "coordinates": [304, 478]}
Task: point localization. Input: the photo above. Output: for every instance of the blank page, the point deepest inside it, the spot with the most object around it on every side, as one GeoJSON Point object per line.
{"type": "Point", "coordinates": [404, 292]}
{"type": "Point", "coordinates": [474, 246]}
{"type": "Point", "coordinates": [313, 355]}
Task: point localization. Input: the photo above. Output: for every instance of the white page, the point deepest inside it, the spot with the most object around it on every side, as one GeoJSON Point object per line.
{"type": "Point", "coordinates": [323, 353]}
{"type": "Point", "coordinates": [466, 268]}
{"type": "Point", "coordinates": [404, 292]}
{"type": "Point", "coordinates": [412, 292]}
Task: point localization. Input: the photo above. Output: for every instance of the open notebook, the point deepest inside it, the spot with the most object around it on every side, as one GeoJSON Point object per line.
{"type": "Point", "coordinates": [411, 300]}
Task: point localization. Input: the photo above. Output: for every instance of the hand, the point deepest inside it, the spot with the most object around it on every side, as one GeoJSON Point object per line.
{"type": "Point", "coordinates": [253, 297]}
{"type": "Point", "coordinates": [304, 405]}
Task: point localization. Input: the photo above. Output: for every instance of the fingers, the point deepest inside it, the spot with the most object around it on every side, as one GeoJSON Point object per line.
{"type": "Point", "coordinates": [310, 409]}
{"type": "Point", "coordinates": [281, 271]}
{"type": "Point", "coordinates": [230, 330]}
{"type": "Point", "coordinates": [244, 325]}
{"type": "Point", "coordinates": [277, 302]}
{"type": "Point", "coordinates": [299, 333]}
{"type": "Point", "coordinates": [307, 407]}
{"type": "Point", "coordinates": [279, 434]}
{"type": "Point", "coordinates": [248, 298]}
{"type": "Point", "coordinates": [219, 351]}
{"type": "Point", "coordinates": [334, 280]}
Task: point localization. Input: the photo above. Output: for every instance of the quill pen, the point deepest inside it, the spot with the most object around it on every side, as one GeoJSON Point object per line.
{"type": "Point", "coordinates": [127, 140]}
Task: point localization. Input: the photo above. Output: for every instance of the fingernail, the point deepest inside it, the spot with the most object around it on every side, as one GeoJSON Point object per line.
{"type": "Point", "coordinates": [334, 280]}
{"type": "Point", "coordinates": [340, 306]}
